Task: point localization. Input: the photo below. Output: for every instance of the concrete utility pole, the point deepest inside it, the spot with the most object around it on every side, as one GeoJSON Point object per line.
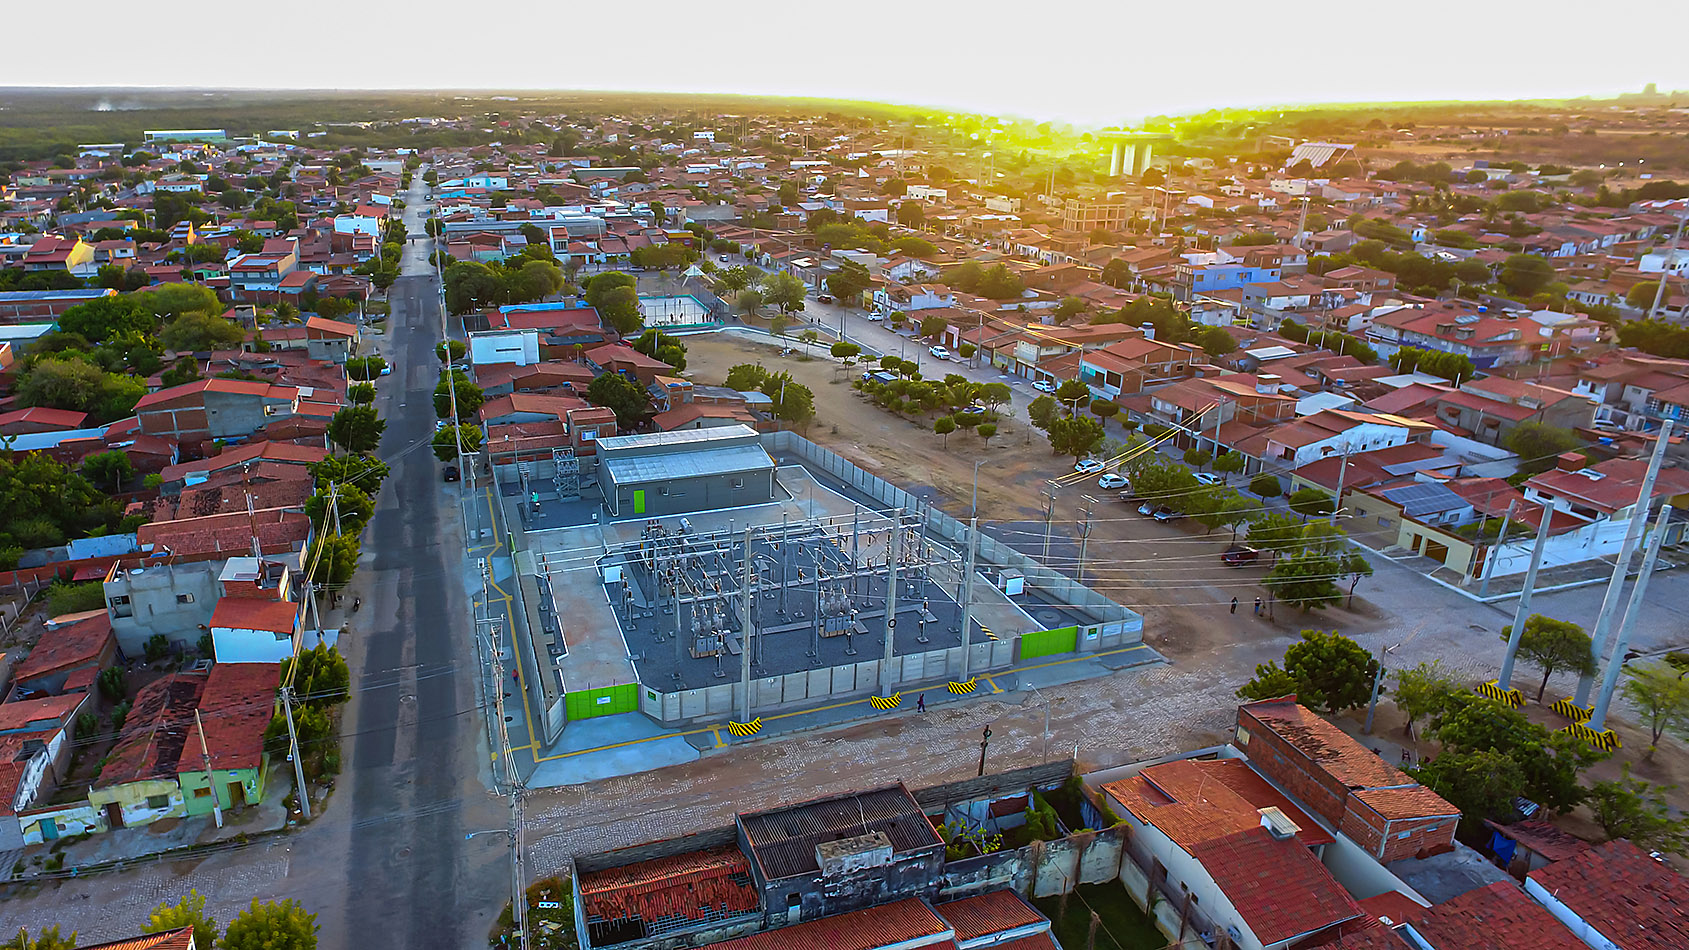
{"type": "Point", "coordinates": [1615, 659]}
{"type": "Point", "coordinates": [210, 779]}
{"type": "Point", "coordinates": [1500, 539]}
{"type": "Point", "coordinates": [746, 597]}
{"type": "Point", "coordinates": [892, 556]}
{"type": "Point", "coordinates": [1505, 680]}
{"type": "Point", "coordinates": [1084, 537]}
{"type": "Point", "coordinates": [1049, 518]}
{"type": "Point", "coordinates": [1665, 272]}
{"type": "Point", "coordinates": [1633, 534]}
{"type": "Point", "coordinates": [968, 597]}
{"type": "Point", "coordinates": [303, 793]}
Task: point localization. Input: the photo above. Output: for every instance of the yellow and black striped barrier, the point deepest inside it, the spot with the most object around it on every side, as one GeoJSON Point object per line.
{"type": "Point", "coordinates": [1605, 739]}
{"type": "Point", "coordinates": [1507, 697]}
{"type": "Point", "coordinates": [1571, 710]}
{"type": "Point", "coordinates": [987, 631]}
{"type": "Point", "coordinates": [962, 689]}
{"type": "Point", "coordinates": [743, 729]}
{"type": "Point", "coordinates": [886, 702]}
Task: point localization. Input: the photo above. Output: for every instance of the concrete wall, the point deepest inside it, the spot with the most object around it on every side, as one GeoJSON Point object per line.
{"type": "Point", "coordinates": [73, 818]}
{"type": "Point", "coordinates": [251, 782]}
{"type": "Point", "coordinates": [133, 797]}
{"type": "Point", "coordinates": [153, 605]}
{"type": "Point", "coordinates": [232, 645]}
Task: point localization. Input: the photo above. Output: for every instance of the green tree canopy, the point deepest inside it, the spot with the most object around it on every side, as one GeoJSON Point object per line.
{"type": "Point", "coordinates": [1638, 812]}
{"type": "Point", "coordinates": [446, 440]}
{"type": "Point", "coordinates": [198, 332]}
{"type": "Point", "coordinates": [1660, 694]}
{"type": "Point", "coordinates": [272, 926]}
{"type": "Point", "coordinates": [356, 429]}
{"type": "Point", "coordinates": [187, 912]}
{"type": "Point", "coordinates": [1329, 671]}
{"type": "Point", "coordinates": [1551, 645]}
{"type": "Point", "coordinates": [626, 398]}
{"type": "Point", "coordinates": [1539, 445]}
{"type": "Point", "coordinates": [1075, 435]}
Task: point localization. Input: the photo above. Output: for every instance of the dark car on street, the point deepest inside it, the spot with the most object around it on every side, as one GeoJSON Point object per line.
{"type": "Point", "coordinates": [1238, 555]}
{"type": "Point", "coordinates": [451, 473]}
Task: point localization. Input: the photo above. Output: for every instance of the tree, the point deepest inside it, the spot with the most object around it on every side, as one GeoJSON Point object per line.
{"type": "Point", "coordinates": [1071, 393]}
{"type": "Point", "coordinates": [1525, 274]}
{"type": "Point", "coordinates": [1070, 306]}
{"type": "Point", "coordinates": [932, 327]}
{"type": "Point", "coordinates": [986, 431]}
{"type": "Point", "coordinates": [187, 912]}
{"type": "Point", "coordinates": [365, 367]}
{"type": "Point", "coordinates": [361, 394]}
{"type": "Point", "coordinates": [1265, 485]}
{"type": "Point", "coordinates": [745, 377]}
{"type": "Point", "coordinates": [784, 291]}
{"type": "Point", "coordinates": [455, 349]}
{"type": "Point", "coordinates": [1641, 296]}
{"type": "Point", "coordinates": [356, 429]}
{"type": "Point", "coordinates": [1043, 411]}
{"type": "Point", "coordinates": [626, 398]}
{"type": "Point", "coordinates": [1424, 690]}
{"type": "Point", "coordinates": [995, 394]}
{"type": "Point", "coordinates": [447, 438]}
{"type": "Point", "coordinates": [1105, 409]}
{"type": "Point", "coordinates": [361, 470]}
{"type": "Point", "coordinates": [944, 425]}
{"type": "Point", "coordinates": [1480, 784]}
{"type": "Point", "coordinates": [848, 282]}
{"type": "Point", "coordinates": [1539, 445]}
{"type": "Point", "coordinates": [1229, 463]}
{"type": "Point", "coordinates": [198, 332]}
{"type": "Point", "coordinates": [353, 507]}
{"type": "Point", "coordinates": [1329, 670]}
{"type": "Point", "coordinates": [470, 397]}
{"type": "Point", "coordinates": [1638, 812]}
{"type": "Point", "coordinates": [336, 557]}
{"type": "Point", "coordinates": [846, 351]}
{"type": "Point", "coordinates": [108, 468]}
{"type": "Point", "coordinates": [1661, 695]}
{"type": "Point", "coordinates": [47, 938]}
{"type": "Point", "coordinates": [1311, 502]}
{"type": "Point", "coordinates": [793, 401]}
{"type": "Point", "coordinates": [619, 308]}
{"type": "Point", "coordinates": [1305, 579]}
{"type": "Point", "coordinates": [748, 301]}
{"type": "Point", "coordinates": [1553, 645]}
{"type": "Point", "coordinates": [1354, 568]}
{"type": "Point", "coordinates": [105, 317]}
{"type": "Point", "coordinates": [1197, 458]}
{"type": "Point", "coordinates": [659, 345]}
{"type": "Point", "coordinates": [272, 926]}
{"type": "Point", "coordinates": [1077, 436]}
{"type": "Point", "coordinates": [1549, 761]}
{"type": "Point", "coordinates": [1272, 681]}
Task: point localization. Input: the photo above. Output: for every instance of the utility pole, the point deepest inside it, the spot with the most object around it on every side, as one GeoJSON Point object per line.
{"type": "Point", "coordinates": [1049, 517]}
{"type": "Point", "coordinates": [968, 597]}
{"type": "Point", "coordinates": [1615, 658]}
{"type": "Point", "coordinates": [302, 792]}
{"type": "Point", "coordinates": [1372, 704]}
{"type": "Point", "coordinates": [892, 556]}
{"type": "Point", "coordinates": [1342, 470]}
{"type": "Point", "coordinates": [210, 779]}
{"type": "Point", "coordinates": [1665, 272]}
{"type": "Point", "coordinates": [1084, 536]}
{"type": "Point", "coordinates": [1505, 680]}
{"type": "Point", "coordinates": [746, 598]}
{"type": "Point", "coordinates": [1633, 533]}
{"type": "Point", "coordinates": [1501, 539]}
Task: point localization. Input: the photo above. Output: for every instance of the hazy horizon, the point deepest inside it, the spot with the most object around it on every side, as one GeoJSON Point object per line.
{"type": "Point", "coordinates": [1095, 65]}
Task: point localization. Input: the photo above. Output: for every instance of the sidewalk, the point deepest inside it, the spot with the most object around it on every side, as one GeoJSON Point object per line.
{"type": "Point", "coordinates": [127, 846]}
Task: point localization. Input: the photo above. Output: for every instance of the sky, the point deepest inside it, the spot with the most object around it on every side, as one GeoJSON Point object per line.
{"type": "Point", "coordinates": [1084, 61]}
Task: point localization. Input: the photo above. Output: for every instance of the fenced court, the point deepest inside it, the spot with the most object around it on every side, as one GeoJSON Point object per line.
{"type": "Point", "coordinates": [676, 311]}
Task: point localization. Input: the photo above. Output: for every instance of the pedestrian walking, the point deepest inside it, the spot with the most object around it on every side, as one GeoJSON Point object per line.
{"type": "Point", "coordinates": [1234, 605]}
{"type": "Point", "coordinates": [921, 704]}
{"type": "Point", "coordinates": [1257, 606]}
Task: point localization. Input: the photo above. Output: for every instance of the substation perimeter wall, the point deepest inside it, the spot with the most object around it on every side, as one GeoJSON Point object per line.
{"type": "Point", "coordinates": [1106, 625]}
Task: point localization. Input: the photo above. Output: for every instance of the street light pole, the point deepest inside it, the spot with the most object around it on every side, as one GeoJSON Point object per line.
{"type": "Point", "coordinates": [984, 742]}
{"type": "Point", "coordinates": [973, 506]}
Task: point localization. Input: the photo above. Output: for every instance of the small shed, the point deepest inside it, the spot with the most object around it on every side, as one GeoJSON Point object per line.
{"type": "Point", "coordinates": [666, 473]}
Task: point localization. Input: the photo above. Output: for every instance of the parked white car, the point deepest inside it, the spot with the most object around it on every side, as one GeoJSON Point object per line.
{"type": "Point", "coordinates": [1208, 478]}
{"type": "Point", "coordinates": [1088, 466]}
{"type": "Point", "coordinates": [1112, 480]}
{"type": "Point", "coordinates": [1044, 386]}
{"type": "Point", "coordinates": [940, 352]}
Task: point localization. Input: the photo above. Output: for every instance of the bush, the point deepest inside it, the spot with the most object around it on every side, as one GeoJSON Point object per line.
{"type": "Point", "coordinates": [113, 683]}
{"type": "Point", "coordinates": [119, 713]}
{"type": "Point", "coordinates": [157, 647]}
{"type": "Point", "coordinates": [1265, 485]}
{"type": "Point", "coordinates": [65, 598]}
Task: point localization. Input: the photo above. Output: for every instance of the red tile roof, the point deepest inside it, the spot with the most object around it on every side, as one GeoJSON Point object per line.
{"type": "Point", "coordinates": [215, 384]}
{"type": "Point", "coordinates": [236, 707]}
{"type": "Point", "coordinates": [1542, 837]}
{"type": "Point", "coordinates": [1633, 900]}
{"type": "Point", "coordinates": [153, 737]}
{"type": "Point", "coordinates": [1392, 907]}
{"type": "Point", "coordinates": [991, 913]}
{"type": "Point", "coordinates": [246, 613]}
{"type": "Point", "coordinates": [1416, 801]}
{"type": "Point", "coordinates": [1329, 747]}
{"type": "Point", "coordinates": [1277, 886]}
{"type": "Point", "coordinates": [1496, 917]}
{"type": "Point", "coordinates": [1197, 801]}
{"type": "Point", "coordinates": [691, 885]}
{"type": "Point", "coordinates": [169, 940]}
{"type": "Point", "coordinates": [909, 922]}
{"type": "Point", "coordinates": [75, 645]}
{"type": "Point", "coordinates": [39, 715]}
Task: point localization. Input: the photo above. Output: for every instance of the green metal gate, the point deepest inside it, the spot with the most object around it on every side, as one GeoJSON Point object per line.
{"type": "Point", "coordinates": [603, 701]}
{"type": "Point", "coordinates": [1049, 642]}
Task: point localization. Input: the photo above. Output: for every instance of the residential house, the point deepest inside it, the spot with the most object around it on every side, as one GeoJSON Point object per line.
{"type": "Point", "coordinates": [1615, 896]}
{"type": "Point", "coordinates": [215, 408]}
{"type": "Point", "coordinates": [1376, 805]}
{"type": "Point", "coordinates": [67, 659]}
{"type": "Point", "coordinates": [36, 745]}
{"type": "Point", "coordinates": [1489, 408]}
{"type": "Point", "coordinates": [255, 620]}
{"type": "Point", "coordinates": [235, 708]}
{"type": "Point", "coordinates": [1132, 365]}
{"type": "Point", "coordinates": [257, 278]}
{"type": "Point", "coordinates": [330, 340]}
{"type": "Point", "coordinates": [1188, 279]}
{"type": "Point", "coordinates": [53, 253]}
{"type": "Point", "coordinates": [33, 306]}
{"type": "Point", "coordinates": [138, 783]}
{"type": "Point", "coordinates": [1335, 432]}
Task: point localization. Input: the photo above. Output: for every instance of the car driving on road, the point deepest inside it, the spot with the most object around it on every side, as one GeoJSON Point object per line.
{"type": "Point", "coordinates": [1112, 480]}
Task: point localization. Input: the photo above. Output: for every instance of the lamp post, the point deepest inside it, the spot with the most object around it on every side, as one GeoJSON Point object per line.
{"type": "Point", "coordinates": [984, 741]}
{"type": "Point", "coordinates": [973, 507]}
